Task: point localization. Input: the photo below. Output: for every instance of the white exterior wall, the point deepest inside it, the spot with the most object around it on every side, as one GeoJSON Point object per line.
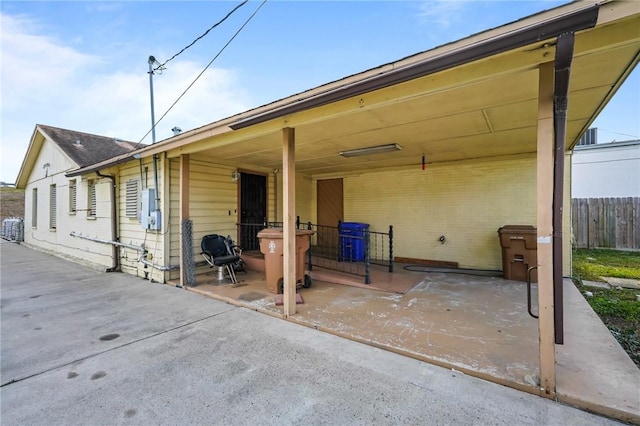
{"type": "Point", "coordinates": [606, 170]}
{"type": "Point", "coordinates": [58, 241]}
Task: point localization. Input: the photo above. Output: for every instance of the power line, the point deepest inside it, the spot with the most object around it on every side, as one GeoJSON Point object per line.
{"type": "Point", "coordinates": [202, 72]}
{"type": "Point", "coordinates": [160, 66]}
{"type": "Point", "coordinates": [616, 133]}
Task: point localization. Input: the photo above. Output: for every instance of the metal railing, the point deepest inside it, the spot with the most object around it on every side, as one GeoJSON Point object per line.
{"type": "Point", "coordinates": [338, 248]}
{"type": "Point", "coordinates": [248, 234]}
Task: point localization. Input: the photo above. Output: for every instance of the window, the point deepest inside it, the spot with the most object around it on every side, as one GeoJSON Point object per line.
{"type": "Point", "coordinates": [34, 208]}
{"type": "Point", "coordinates": [91, 198]}
{"type": "Point", "coordinates": [53, 206]}
{"type": "Point", "coordinates": [73, 196]}
{"type": "Point", "coordinates": [132, 203]}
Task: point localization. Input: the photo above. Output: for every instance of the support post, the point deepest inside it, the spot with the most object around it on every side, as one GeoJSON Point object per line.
{"type": "Point", "coordinates": [289, 221]}
{"type": "Point", "coordinates": [184, 213]}
{"type": "Point", "coordinates": [545, 165]}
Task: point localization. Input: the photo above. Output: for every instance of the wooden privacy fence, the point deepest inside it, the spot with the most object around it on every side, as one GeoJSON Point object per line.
{"type": "Point", "coordinates": [606, 222]}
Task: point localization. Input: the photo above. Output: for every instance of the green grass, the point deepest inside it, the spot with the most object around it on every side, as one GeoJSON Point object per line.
{"type": "Point", "coordinates": [591, 265]}
{"type": "Point", "coordinates": [618, 308]}
{"type": "Point", "coordinates": [10, 189]}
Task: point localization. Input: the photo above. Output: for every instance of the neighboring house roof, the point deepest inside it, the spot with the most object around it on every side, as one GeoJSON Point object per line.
{"type": "Point", "coordinates": [473, 98]}
{"type": "Point", "coordinates": [607, 145]}
{"type": "Point", "coordinates": [83, 149]}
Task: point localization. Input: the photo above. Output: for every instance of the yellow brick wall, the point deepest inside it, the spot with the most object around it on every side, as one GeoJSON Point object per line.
{"type": "Point", "coordinates": [465, 202]}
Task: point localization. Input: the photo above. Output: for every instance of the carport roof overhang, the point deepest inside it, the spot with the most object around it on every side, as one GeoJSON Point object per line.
{"type": "Point", "coordinates": [470, 99]}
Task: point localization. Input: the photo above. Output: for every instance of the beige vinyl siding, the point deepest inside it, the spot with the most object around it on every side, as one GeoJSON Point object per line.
{"type": "Point", "coordinates": [304, 197]}
{"type": "Point", "coordinates": [273, 197]}
{"type": "Point", "coordinates": [305, 194]}
{"type": "Point", "coordinates": [131, 231]}
{"type": "Point", "coordinates": [213, 199]}
{"type": "Point", "coordinates": [465, 202]}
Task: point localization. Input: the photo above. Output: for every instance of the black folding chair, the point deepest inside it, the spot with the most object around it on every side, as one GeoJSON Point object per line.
{"type": "Point", "coordinates": [216, 252]}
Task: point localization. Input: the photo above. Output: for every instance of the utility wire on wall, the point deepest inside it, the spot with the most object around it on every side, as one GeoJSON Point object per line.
{"type": "Point", "coordinates": [205, 68]}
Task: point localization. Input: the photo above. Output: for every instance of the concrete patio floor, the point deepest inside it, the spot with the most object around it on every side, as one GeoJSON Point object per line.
{"type": "Point", "coordinates": [474, 325]}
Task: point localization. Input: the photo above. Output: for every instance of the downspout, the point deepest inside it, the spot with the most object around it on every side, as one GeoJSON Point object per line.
{"type": "Point", "coordinates": [564, 57]}
{"type": "Point", "coordinates": [155, 181]}
{"type": "Point", "coordinates": [114, 223]}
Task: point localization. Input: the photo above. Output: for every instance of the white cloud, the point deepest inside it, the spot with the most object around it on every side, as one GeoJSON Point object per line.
{"type": "Point", "coordinates": [443, 13]}
{"type": "Point", "coordinates": [33, 65]}
{"type": "Point", "coordinates": [47, 81]}
{"type": "Point", "coordinates": [125, 99]}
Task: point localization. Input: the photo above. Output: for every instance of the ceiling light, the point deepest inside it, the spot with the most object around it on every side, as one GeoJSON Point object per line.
{"type": "Point", "coordinates": [379, 149]}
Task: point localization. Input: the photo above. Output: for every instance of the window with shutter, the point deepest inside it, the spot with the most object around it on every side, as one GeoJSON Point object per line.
{"type": "Point", "coordinates": [53, 206]}
{"type": "Point", "coordinates": [132, 203]}
{"type": "Point", "coordinates": [91, 201]}
{"type": "Point", "coordinates": [73, 194]}
{"type": "Point", "coordinates": [34, 208]}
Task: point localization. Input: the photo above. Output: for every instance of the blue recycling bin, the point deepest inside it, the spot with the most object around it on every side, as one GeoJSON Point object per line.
{"type": "Point", "coordinates": [352, 235]}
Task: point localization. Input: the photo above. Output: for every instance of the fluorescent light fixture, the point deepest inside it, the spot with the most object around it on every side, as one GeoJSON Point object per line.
{"type": "Point", "coordinates": [379, 149]}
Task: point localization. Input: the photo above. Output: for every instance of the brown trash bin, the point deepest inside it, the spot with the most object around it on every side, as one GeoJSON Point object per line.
{"type": "Point", "coordinates": [519, 251]}
{"type": "Point", "coordinates": [272, 247]}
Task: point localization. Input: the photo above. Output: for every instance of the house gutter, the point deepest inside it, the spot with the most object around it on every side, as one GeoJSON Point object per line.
{"type": "Point", "coordinates": [564, 57]}
{"type": "Point", "coordinates": [114, 224]}
{"type": "Point", "coordinates": [574, 21]}
{"type": "Point", "coordinates": [103, 165]}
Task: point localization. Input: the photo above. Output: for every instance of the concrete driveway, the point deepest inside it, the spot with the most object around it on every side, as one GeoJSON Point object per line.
{"type": "Point", "coordinates": [85, 347]}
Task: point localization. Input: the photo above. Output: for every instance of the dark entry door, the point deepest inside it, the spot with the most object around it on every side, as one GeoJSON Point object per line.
{"type": "Point", "coordinates": [253, 209]}
{"type": "Point", "coordinates": [330, 211]}
{"type": "Point", "coordinates": [330, 208]}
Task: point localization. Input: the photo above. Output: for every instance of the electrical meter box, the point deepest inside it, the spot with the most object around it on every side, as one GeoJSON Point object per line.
{"type": "Point", "coordinates": [150, 217]}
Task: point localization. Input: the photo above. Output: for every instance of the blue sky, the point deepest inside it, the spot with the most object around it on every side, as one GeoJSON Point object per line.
{"type": "Point", "coordinates": [83, 65]}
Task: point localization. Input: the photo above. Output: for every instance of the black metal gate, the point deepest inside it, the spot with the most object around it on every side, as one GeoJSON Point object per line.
{"type": "Point", "coordinates": [253, 208]}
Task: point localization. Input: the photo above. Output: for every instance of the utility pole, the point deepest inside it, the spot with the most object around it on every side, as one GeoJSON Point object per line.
{"type": "Point", "coordinates": [152, 62]}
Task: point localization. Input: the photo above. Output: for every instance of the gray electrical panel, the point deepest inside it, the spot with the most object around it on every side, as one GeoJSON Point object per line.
{"type": "Point", "coordinates": [150, 217]}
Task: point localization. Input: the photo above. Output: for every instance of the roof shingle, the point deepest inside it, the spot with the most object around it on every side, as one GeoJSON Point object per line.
{"type": "Point", "coordinates": [86, 149]}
